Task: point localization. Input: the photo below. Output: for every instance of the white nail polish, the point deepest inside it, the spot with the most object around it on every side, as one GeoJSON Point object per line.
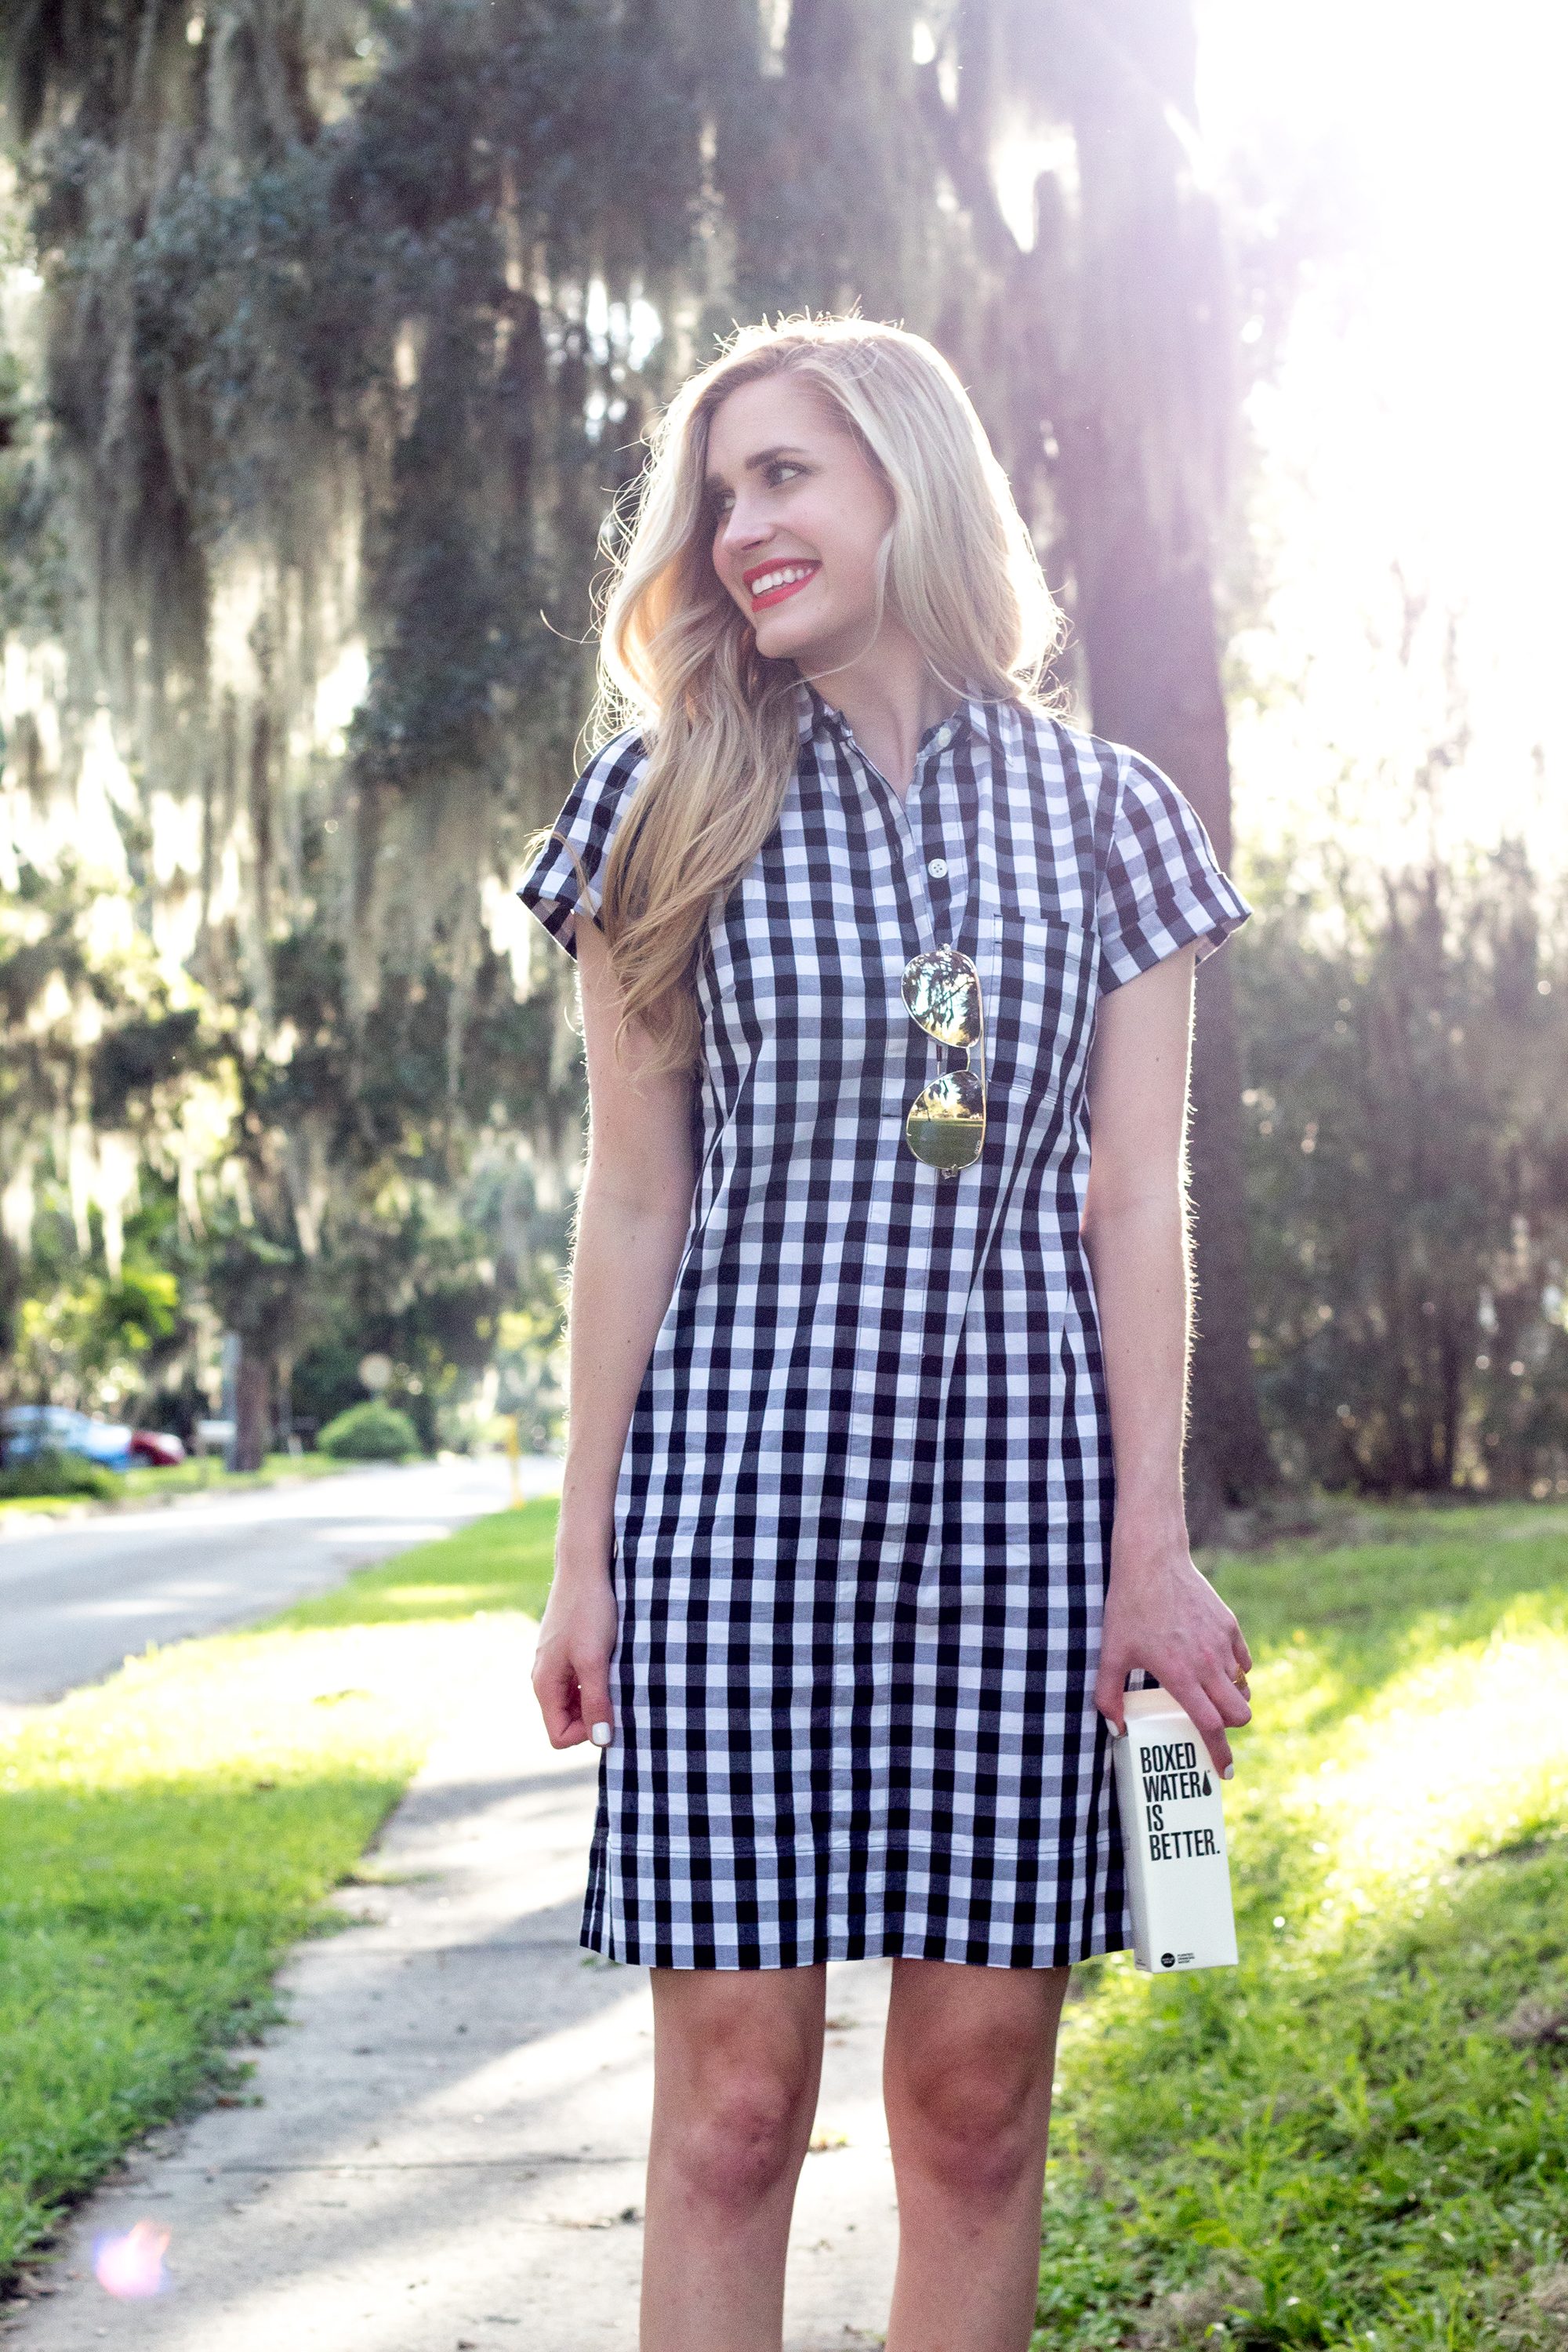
{"type": "Point", "coordinates": [1229, 1772]}
{"type": "Point", "coordinates": [601, 1735]}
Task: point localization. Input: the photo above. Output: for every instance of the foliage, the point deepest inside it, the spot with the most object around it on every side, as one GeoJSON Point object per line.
{"type": "Point", "coordinates": [1405, 1036]}
{"type": "Point", "coordinates": [344, 334]}
{"type": "Point", "coordinates": [107, 1083]}
{"type": "Point", "coordinates": [34, 567]}
{"type": "Point", "coordinates": [1358, 2136]}
{"type": "Point", "coordinates": [372, 1431]}
{"type": "Point", "coordinates": [78, 1330]}
{"type": "Point", "coordinates": [349, 328]}
{"type": "Point", "coordinates": [334, 363]}
{"type": "Point", "coordinates": [312, 1197]}
{"type": "Point", "coordinates": [54, 1470]}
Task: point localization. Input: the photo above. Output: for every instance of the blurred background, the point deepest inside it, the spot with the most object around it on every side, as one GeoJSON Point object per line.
{"type": "Point", "coordinates": [328, 332]}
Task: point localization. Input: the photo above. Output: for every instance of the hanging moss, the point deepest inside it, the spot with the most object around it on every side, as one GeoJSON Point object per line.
{"type": "Point", "coordinates": [349, 324]}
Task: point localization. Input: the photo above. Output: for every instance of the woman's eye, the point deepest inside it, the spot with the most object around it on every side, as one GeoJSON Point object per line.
{"type": "Point", "coordinates": [721, 501]}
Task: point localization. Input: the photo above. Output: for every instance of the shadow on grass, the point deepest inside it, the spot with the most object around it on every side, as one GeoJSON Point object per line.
{"type": "Point", "coordinates": [1360, 2135]}
{"type": "Point", "coordinates": [1373, 1612]}
{"type": "Point", "coordinates": [1361, 2147]}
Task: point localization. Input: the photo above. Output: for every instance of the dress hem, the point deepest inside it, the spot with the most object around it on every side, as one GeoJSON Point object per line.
{"type": "Point", "coordinates": [842, 1947]}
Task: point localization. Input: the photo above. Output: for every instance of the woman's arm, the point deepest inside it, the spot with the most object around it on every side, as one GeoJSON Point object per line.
{"type": "Point", "coordinates": [1161, 1612]}
{"type": "Point", "coordinates": [632, 1215]}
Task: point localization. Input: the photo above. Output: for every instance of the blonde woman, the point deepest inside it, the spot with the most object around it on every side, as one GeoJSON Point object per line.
{"type": "Point", "coordinates": [863, 1346]}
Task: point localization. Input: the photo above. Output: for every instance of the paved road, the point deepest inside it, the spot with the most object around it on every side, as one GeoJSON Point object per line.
{"type": "Point", "coordinates": [79, 1597]}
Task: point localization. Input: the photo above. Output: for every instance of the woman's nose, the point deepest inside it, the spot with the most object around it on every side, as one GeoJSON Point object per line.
{"type": "Point", "coordinates": [742, 528]}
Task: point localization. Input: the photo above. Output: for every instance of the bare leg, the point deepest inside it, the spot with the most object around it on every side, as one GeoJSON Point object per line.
{"type": "Point", "coordinates": [967, 2077]}
{"type": "Point", "coordinates": [737, 2060]}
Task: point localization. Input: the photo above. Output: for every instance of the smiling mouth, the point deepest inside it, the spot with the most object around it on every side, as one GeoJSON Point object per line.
{"type": "Point", "coordinates": [773, 586]}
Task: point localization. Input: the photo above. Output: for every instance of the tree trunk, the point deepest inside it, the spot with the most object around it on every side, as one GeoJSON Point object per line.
{"type": "Point", "coordinates": [252, 1407]}
{"type": "Point", "coordinates": [1154, 665]}
{"type": "Point", "coordinates": [1228, 1459]}
{"type": "Point", "coordinates": [1143, 407]}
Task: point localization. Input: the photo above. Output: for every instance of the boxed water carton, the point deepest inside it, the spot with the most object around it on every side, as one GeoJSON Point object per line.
{"type": "Point", "coordinates": [1173, 1829]}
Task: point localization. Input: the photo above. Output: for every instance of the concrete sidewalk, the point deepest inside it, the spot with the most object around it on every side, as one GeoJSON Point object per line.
{"type": "Point", "coordinates": [449, 2148]}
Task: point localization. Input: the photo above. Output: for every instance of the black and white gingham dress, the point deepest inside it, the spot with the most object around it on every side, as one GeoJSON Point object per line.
{"type": "Point", "coordinates": [863, 1513]}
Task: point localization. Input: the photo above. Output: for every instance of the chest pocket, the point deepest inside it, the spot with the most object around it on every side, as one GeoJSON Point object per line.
{"type": "Point", "coordinates": [1039, 1003]}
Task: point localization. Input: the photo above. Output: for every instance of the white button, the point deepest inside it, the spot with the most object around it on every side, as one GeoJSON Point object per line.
{"type": "Point", "coordinates": [937, 866]}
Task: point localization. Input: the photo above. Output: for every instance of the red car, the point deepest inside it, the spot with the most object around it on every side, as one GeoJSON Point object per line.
{"type": "Point", "coordinates": [156, 1449]}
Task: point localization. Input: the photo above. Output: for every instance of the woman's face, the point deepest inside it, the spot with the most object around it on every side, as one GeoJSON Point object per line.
{"type": "Point", "coordinates": [797, 515]}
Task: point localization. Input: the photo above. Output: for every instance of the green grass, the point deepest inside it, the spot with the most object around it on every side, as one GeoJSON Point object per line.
{"type": "Point", "coordinates": [1336, 2145]}
{"type": "Point", "coordinates": [1358, 2137]}
{"type": "Point", "coordinates": [199, 1472]}
{"type": "Point", "coordinates": [197, 1475]}
{"type": "Point", "coordinates": [501, 1563]}
{"type": "Point", "coordinates": [165, 1837]}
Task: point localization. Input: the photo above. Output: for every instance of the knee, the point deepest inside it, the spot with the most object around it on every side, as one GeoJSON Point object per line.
{"type": "Point", "coordinates": [971, 2119]}
{"type": "Point", "coordinates": [741, 2133]}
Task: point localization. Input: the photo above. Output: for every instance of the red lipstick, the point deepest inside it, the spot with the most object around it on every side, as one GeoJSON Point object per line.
{"type": "Point", "coordinates": [805, 566]}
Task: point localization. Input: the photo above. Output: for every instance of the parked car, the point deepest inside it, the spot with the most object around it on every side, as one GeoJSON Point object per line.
{"type": "Point", "coordinates": [158, 1449]}
{"type": "Point", "coordinates": [29, 1429]}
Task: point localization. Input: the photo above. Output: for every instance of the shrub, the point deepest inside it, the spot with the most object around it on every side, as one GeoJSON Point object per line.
{"type": "Point", "coordinates": [373, 1431]}
{"type": "Point", "coordinates": [56, 1471]}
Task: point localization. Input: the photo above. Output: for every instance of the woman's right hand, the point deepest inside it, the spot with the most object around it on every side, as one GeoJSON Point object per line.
{"type": "Point", "coordinates": [571, 1662]}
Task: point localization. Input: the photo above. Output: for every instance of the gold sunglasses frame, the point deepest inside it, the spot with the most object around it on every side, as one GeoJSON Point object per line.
{"type": "Point", "coordinates": [945, 1111]}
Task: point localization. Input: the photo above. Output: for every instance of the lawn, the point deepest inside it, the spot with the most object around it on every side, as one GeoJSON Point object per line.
{"type": "Point", "coordinates": [200, 1471]}
{"type": "Point", "coordinates": [166, 1836]}
{"type": "Point", "coordinates": [197, 1475]}
{"type": "Point", "coordinates": [1358, 2137]}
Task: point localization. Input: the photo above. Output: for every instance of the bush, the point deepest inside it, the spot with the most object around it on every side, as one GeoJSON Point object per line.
{"type": "Point", "coordinates": [370, 1433]}
{"type": "Point", "coordinates": [54, 1471]}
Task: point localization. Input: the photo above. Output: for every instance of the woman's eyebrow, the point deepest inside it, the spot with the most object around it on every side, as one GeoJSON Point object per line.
{"type": "Point", "coordinates": [754, 463]}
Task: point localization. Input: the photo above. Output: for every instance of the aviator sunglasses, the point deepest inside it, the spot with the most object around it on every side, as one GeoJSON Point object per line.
{"type": "Point", "coordinates": [946, 1123]}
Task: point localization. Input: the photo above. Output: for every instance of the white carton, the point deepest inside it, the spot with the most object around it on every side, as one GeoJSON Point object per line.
{"type": "Point", "coordinates": [1172, 1829]}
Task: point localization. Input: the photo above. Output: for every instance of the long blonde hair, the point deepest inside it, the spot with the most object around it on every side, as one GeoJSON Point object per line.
{"type": "Point", "coordinates": [679, 659]}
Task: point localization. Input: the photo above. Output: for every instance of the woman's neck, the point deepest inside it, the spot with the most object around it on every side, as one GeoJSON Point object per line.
{"type": "Point", "coordinates": [890, 696]}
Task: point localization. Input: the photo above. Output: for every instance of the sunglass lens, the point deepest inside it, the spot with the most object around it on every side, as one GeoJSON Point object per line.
{"type": "Point", "coordinates": [946, 1125]}
{"type": "Point", "coordinates": [941, 989]}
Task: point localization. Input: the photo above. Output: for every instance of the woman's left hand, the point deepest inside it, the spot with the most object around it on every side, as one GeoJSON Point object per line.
{"type": "Point", "coordinates": [1161, 1613]}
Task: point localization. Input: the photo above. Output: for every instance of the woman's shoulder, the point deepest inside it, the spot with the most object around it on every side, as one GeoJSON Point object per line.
{"type": "Point", "coordinates": [1054, 753]}
{"type": "Point", "coordinates": [1107, 772]}
{"type": "Point", "coordinates": [610, 768]}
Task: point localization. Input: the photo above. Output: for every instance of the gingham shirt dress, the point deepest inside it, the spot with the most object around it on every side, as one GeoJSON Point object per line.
{"type": "Point", "coordinates": [863, 1514]}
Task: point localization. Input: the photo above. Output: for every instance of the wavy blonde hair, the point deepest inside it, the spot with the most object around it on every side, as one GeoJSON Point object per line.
{"type": "Point", "coordinates": [680, 660]}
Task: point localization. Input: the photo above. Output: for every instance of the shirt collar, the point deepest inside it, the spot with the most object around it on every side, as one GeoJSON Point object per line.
{"type": "Point", "coordinates": [815, 712]}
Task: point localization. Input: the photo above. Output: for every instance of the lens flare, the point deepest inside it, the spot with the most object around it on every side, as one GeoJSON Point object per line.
{"type": "Point", "coordinates": [132, 2266]}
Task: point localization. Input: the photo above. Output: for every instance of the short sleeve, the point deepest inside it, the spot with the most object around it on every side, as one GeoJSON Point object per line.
{"type": "Point", "coordinates": [1163, 888]}
{"type": "Point", "coordinates": [551, 886]}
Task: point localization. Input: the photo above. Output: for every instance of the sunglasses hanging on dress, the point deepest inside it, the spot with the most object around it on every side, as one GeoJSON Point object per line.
{"type": "Point", "coordinates": [946, 1127]}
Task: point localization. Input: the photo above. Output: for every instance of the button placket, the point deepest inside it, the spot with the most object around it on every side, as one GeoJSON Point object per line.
{"type": "Point", "coordinates": [937, 923]}
{"type": "Point", "coordinates": [937, 868]}
{"type": "Point", "coordinates": [913, 856]}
